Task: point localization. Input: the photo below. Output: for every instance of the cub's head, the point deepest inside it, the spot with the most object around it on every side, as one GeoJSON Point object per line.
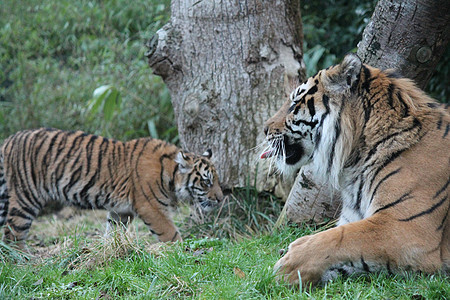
{"type": "Point", "coordinates": [197, 180]}
{"type": "Point", "coordinates": [295, 132]}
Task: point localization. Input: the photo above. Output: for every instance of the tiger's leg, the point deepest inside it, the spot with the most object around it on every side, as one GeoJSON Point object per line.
{"type": "Point", "coordinates": [372, 244]}
{"type": "Point", "coordinates": [445, 251]}
{"type": "Point", "coordinates": [158, 222]}
{"type": "Point", "coordinates": [115, 219]}
{"type": "Point", "coordinates": [21, 214]}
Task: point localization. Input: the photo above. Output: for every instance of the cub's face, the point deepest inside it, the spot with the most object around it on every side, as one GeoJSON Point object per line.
{"type": "Point", "coordinates": [306, 120]}
{"type": "Point", "coordinates": [198, 181]}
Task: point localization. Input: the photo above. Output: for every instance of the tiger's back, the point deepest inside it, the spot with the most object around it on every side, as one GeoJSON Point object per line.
{"type": "Point", "coordinates": [139, 177]}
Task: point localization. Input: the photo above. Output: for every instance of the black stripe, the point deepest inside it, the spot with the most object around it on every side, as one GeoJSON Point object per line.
{"type": "Point", "coordinates": [172, 180]}
{"type": "Point", "coordinates": [49, 150]}
{"type": "Point", "coordinates": [88, 152]}
{"type": "Point", "coordinates": [174, 236]}
{"type": "Point", "coordinates": [19, 213]}
{"type": "Point", "coordinates": [381, 181]}
{"type": "Point", "coordinates": [155, 197]}
{"type": "Point", "coordinates": [74, 178]}
{"type": "Point", "coordinates": [295, 107]}
{"type": "Point", "coordinates": [312, 90]}
{"type": "Point", "coordinates": [337, 129]}
{"type": "Point", "coordinates": [311, 108]}
{"type": "Point", "coordinates": [162, 190]}
{"type": "Point", "coordinates": [441, 189]}
{"type": "Point", "coordinates": [367, 79]}
{"type": "Point", "coordinates": [405, 107]}
{"type": "Point", "coordinates": [138, 157]}
{"type": "Point", "coordinates": [310, 124]}
{"type": "Point", "coordinates": [188, 187]}
{"type": "Point", "coordinates": [18, 228]}
{"type": "Point", "coordinates": [152, 231]}
{"type": "Point", "coordinates": [447, 129]}
{"type": "Point", "coordinates": [426, 212]}
{"type": "Point", "coordinates": [416, 123]}
{"type": "Point", "coordinates": [365, 266]}
{"type": "Point", "coordinates": [23, 185]}
{"type": "Point", "coordinates": [26, 186]}
{"type": "Point", "coordinates": [443, 222]}
{"type": "Point", "coordinates": [390, 99]}
{"type": "Point", "coordinates": [404, 197]}
{"type": "Point", "coordinates": [358, 197]}
{"type": "Point", "coordinates": [342, 271]}
{"type": "Point", "coordinates": [388, 267]}
{"type": "Point", "coordinates": [439, 122]}
{"type": "Point", "coordinates": [390, 158]}
{"type": "Point", "coordinates": [170, 157]}
{"type": "Point", "coordinates": [26, 207]}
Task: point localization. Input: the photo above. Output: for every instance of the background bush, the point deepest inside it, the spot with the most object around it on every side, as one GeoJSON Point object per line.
{"type": "Point", "coordinates": [55, 54]}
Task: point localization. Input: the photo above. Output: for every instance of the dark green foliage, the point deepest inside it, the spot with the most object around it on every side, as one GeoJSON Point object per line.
{"type": "Point", "coordinates": [331, 29]}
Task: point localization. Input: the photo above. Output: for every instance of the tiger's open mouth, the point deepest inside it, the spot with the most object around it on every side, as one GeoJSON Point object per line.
{"type": "Point", "coordinates": [291, 153]}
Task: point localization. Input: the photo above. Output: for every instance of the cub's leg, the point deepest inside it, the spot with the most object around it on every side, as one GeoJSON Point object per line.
{"type": "Point", "coordinates": [115, 219]}
{"type": "Point", "coordinates": [158, 220]}
{"type": "Point", "coordinates": [19, 218]}
{"type": "Point", "coordinates": [371, 244]}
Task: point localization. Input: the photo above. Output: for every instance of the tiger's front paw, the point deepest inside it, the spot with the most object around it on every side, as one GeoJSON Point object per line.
{"type": "Point", "coordinates": [300, 260]}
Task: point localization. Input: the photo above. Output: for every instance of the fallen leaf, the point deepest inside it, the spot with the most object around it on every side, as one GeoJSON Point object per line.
{"type": "Point", "coordinates": [238, 272]}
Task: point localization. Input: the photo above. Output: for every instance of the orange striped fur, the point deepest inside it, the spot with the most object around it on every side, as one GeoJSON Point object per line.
{"type": "Point", "coordinates": [144, 177]}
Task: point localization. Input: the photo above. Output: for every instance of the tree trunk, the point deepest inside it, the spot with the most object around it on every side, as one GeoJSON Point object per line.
{"type": "Point", "coordinates": [409, 36]}
{"type": "Point", "coordinates": [227, 65]}
{"type": "Point", "coordinates": [311, 200]}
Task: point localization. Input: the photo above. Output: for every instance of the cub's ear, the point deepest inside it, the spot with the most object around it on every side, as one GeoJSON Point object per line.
{"type": "Point", "coordinates": [207, 154]}
{"type": "Point", "coordinates": [345, 76]}
{"type": "Point", "coordinates": [183, 162]}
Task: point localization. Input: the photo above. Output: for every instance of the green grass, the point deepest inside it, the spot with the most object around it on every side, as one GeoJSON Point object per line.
{"type": "Point", "coordinates": [195, 269]}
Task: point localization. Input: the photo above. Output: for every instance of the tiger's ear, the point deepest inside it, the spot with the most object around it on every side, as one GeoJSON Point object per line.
{"type": "Point", "coordinates": [207, 154]}
{"type": "Point", "coordinates": [183, 162]}
{"type": "Point", "coordinates": [346, 76]}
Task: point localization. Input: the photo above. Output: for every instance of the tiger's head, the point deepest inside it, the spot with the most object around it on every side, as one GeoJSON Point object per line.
{"type": "Point", "coordinates": [295, 132]}
{"type": "Point", "coordinates": [198, 180]}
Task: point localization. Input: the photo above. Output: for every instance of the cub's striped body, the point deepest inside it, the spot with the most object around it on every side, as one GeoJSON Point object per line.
{"type": "Point", "coordinates": [144, 177]}
{"type": "Point", "coordinates": [385, 146]}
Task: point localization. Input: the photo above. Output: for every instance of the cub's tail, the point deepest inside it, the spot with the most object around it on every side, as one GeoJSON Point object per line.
{"type": "Point", "coordinates": [4, 201]}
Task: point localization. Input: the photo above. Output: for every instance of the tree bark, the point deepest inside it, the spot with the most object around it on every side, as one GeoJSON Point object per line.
{"type": "Point", "coordinates": [410, 36]}
{"type": "Point", "coordinates": [227, 65]}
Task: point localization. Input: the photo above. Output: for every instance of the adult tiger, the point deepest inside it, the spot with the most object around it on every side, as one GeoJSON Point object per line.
{"type": "Point", "coordinates": [145, 177]}
{"type": "Point", "coordinates": [384, 145]}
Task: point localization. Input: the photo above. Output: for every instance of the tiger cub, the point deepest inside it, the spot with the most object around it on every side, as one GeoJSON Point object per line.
{"type": "Point", "coordinates": [385, 145]}
{"type": "Point", "coordinates": [144, 177]}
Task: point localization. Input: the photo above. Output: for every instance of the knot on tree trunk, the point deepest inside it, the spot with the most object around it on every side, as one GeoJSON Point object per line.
{"type": "Point", "coordinates": [162, 52]}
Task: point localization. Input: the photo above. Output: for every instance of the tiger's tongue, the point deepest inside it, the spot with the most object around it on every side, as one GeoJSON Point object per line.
{"type": "Point", "coordinates": [267, 154]}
